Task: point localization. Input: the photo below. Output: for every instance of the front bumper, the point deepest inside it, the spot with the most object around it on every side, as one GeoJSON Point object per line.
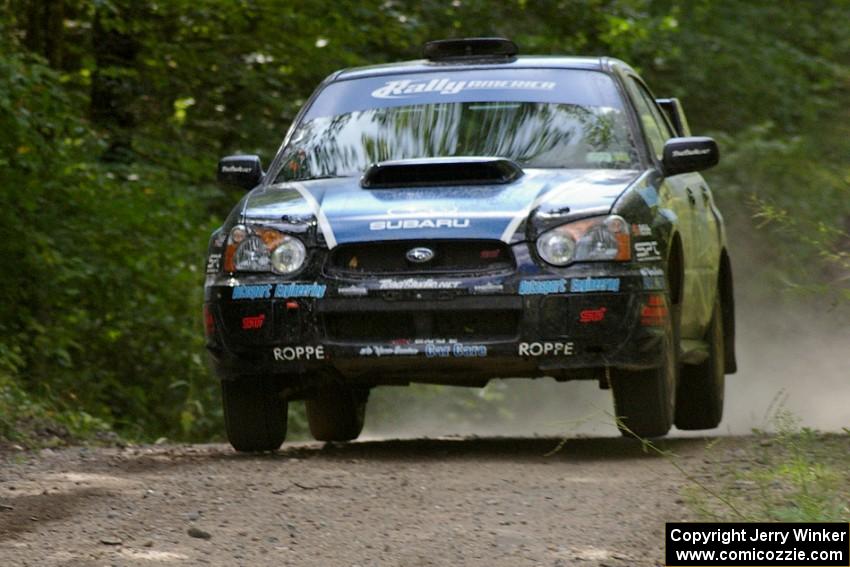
{"type": "Point", "coordinates": [438, 330]}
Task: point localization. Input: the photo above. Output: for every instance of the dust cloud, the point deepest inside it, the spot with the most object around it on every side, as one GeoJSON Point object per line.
{"type": "Point", "coordinates": [792, 353]}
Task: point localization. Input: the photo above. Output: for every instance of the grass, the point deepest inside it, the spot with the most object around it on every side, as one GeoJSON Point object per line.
{"type": "Point", "coordinates": [30, 422]}
{"type": "Point", "coordinates": [786, 472]}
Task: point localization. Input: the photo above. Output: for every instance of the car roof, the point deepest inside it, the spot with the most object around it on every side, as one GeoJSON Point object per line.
{"type": "Point", "coordinates": [521, 62]}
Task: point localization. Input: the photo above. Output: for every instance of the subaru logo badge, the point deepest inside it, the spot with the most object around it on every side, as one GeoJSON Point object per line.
{"type": "Point", "coordinates": [420, 255]}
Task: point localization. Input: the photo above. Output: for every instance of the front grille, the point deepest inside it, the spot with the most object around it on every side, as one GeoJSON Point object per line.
{"type": "Point", "coordinates": [391, 325]}
{"type": "Point", "coordinates": [450, 256]}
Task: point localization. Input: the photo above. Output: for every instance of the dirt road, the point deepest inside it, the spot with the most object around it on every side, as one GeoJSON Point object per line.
{"type": "Point", "coordinates": [418, 502]}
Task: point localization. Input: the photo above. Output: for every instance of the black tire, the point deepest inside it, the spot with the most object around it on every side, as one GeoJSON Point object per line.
{"type": "Point", "coordinates": [254, 413]}
{"type": "Point", "coordinates": [699, 401]}
{"type": "Point", "coordinates": [645, 400]}
{"type": "Point", "coordinates": [337, 413]}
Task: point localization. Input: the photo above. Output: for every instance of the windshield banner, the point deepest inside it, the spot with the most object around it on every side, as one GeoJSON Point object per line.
{"type": "Point", "coordinates": [560, 86]}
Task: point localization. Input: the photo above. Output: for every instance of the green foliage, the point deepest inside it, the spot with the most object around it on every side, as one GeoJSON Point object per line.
{"type": "Point", "coordinates": [794, 474]}
{"type": "Point", "coordinates": [36, 422]}
{"type": "Point", "coordinates": [114, 113]}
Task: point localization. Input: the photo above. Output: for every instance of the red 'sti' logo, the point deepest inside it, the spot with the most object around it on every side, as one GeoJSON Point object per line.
{"type": "Point", "coordinates": [254, 322]}
{"type": "Point", "coordinates": [592, 315]}
{"type": "Point", "coordinates": [490, 254]}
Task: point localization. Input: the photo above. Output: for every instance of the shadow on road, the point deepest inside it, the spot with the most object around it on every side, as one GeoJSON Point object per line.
{"type": "Point", "coordinates": [479, 449]}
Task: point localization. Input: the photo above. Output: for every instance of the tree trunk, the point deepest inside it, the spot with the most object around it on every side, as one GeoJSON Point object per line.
{"type": "Point", "coordinates": [113, 87]}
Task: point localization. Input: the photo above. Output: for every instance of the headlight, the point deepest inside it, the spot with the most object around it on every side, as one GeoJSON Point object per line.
{"type": "Point", "coordinates": [252, 256]}
{"type": "Point", "coordinates": [289, 255]}
{"type": "Point", "coordinates": [257, 249]}
{"type": "Point", "coordinates": [594, 239]}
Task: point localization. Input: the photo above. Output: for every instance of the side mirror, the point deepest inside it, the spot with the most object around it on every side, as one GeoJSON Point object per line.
{"type": "Point", "coordinates": [684, 155]}
{"type": "Point", "coordinates": [241, 171]}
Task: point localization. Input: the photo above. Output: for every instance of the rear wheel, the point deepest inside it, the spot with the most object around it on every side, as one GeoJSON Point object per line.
{"type": "Point", "coordinates": [254, 413]}
{"type": "Point", "coordinates": [337, 413]}
{"type": "Point", "coordinates": [644, 400]}
{"type": "Point", "coordinates": [699, 401]}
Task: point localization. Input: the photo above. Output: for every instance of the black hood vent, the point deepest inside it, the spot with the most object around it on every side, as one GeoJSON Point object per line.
{"type": "Point", "coordinates": [432, 172]}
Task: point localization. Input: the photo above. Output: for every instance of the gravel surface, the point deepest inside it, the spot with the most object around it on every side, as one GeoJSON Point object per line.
{"type": "Point", "coordinates": [455, 501]}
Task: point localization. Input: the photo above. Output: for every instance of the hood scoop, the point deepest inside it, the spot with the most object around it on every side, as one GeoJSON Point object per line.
{"type": "Point", "coordinates": [434, 172]}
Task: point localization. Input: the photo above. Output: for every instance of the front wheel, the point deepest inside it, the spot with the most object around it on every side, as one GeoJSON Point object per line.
{"type": "Point", "coordinates": [254, 413]}
{"type": "Point", "coordinates": [337, 413]}
{"type": "Point", "coordinates": [644, 400]}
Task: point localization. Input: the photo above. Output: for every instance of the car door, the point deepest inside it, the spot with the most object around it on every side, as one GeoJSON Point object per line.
{"type": "Point", "coordinates": [679, 194]}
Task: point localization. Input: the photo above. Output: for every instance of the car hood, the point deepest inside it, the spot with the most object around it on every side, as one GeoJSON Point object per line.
{"type": "Point", "coordinates": [346, 212]}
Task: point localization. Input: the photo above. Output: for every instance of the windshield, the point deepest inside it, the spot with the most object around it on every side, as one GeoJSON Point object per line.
{"type": "Point", "coordinates": [541, 123]}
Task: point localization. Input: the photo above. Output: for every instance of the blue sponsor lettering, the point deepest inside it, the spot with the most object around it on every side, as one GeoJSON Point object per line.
{"type": "Point", "coordinates": [457, 350]}
{"type": "Point", "coordinates": [252, 291]}
{"type": "Point", "coordinates": [542, 287]}
{"type": "Point", "coordinates": [594, 284]}
{"type": "Point", "coordinates": [465, 351]}
{"type": "Point", "coordinates": [300, 290]}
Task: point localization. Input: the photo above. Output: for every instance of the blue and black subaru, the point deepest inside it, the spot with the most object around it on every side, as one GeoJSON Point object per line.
{"type": "Point", "coordinates": [469, 216]}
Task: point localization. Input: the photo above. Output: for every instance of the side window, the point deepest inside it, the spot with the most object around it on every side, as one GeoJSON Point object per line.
{"type": "Point", "coordinates": [653, 122]}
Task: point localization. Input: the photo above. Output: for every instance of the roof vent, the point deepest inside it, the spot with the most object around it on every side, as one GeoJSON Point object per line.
{"type": "Point", "coordinates": [470, 48]}
{"type": "Point", "coordinates": [433, 172]}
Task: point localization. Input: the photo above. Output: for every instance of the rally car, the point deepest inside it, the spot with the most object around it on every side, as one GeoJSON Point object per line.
{"type": "Point", "coordinates": [469, 216]}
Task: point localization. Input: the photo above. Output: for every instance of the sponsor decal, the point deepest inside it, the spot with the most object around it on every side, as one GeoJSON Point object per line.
{"type": "Point", "coordinates": [413, 283]}
{"type": "Point", "coordinates": [300, 352]}
{"type": "Point", "coordinates": [587, 285]}
{"type": "Point", "coordinates": [253, 322]}
{"type": "Point", "coordinates": [646, 251]}
{"type": "Point", "coordinates": [252, 291]}
{"type": "Point", "coordinates": [542, 287]}
{"type": "Point", "coordinates": [408, 88]}
{"type": "Point", "coordinates": [653, 278]}
{"type": "Point", "coordinates": [300, 290]}
{"type": "Point", "coordinates": [546, 349]}
{"type": "Point", "coordinates": [353, 291]}
{"type": "Point", "coordinates": [691, 152]}
{"type": "Point", "coordinates": [281, 291]}
{"type": "Point", "coordinates": [414, 224]}
{"type": "Point", "coordinates": [236, 169]}
{"type": "Point", "coordinates": [456, 350]}
{"type": "Point", "coordinates": [213, 263]}
{"type": "Point", "coordinates": [592, 315]}
{"type": "Point", "coordinates": [395, 350]}
{"type": "Point", "coordinates": [434, 341]}
{"type": "Point", "coordinates": [641, 230]}
{"type": "Point", "coordinates": [488, 288]}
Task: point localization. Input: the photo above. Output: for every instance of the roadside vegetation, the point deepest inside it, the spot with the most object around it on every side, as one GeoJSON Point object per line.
{"type": "Point", "coordinates": [113, 115]}
{"type": "Point", "coordinates": [784, 472]}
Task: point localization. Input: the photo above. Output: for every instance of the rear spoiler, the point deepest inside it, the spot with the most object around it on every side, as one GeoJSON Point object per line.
{"type": "Point", "coordinates": [432, 172]}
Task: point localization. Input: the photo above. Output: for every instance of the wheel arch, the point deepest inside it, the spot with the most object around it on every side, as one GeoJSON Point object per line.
{"type": "Point", "coordinates": [725, 288]}
{"type": "Point", "coordinates": [676, 269]}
